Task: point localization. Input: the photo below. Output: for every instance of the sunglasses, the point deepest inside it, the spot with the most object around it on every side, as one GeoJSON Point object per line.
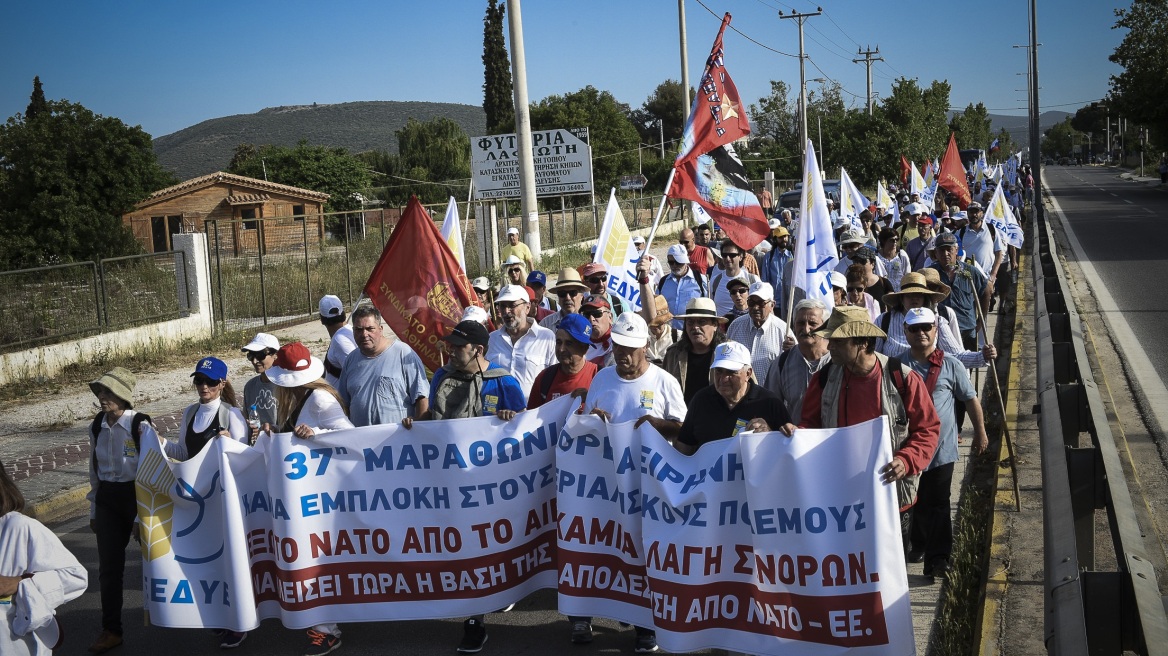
{"type": "Point", "coordinates": [596, 280]}
{"type": "Point", "coordinates": [569, 293]}
{"type": "Point", "coordinates": [685, 243]}
{"type": "Point", "coordinates": [203, 381]}
{"type": "Point", "coordinates": [855, 290]}
{"type": "Point", "coordinates": [515, 270]}
{"type": "Point", "coordinates": [919, 328]}
{"type": "Point", "coordinates": [756, 302]}
{"type": "Point", "coordinates": [675, 265]}
{"type": "Point", "coordinates": [737, 291]}
{"type": "Point", "coordinates": [594, 314]}
{"type": "Point", "coordinates": [256, 356]}
{"type": "Point", "coordinates": [731, 254]}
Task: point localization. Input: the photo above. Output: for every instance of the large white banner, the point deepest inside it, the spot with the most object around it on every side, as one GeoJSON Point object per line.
{"type": "Point", "coordinates": [759, 543]}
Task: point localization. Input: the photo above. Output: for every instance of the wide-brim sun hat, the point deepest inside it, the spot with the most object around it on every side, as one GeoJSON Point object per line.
{"type": "Point", "coordinates": [913, 283]}
{"type": "Point", "coordinates": [849, 321]}
{"type": "Point", "coordinates": [294, 366]}
{"type": "Point", "coordinates": [701, 308]}
{"type": "Point", "coordinates": [120, 382]}
{"type": "Point", "coordinates": [933, 282]}
{"type": "Point", "coordinates": [569, 279]}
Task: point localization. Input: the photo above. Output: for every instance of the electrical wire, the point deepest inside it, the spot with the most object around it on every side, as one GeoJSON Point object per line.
{"type": "Point", "coordinates": [746, 36]}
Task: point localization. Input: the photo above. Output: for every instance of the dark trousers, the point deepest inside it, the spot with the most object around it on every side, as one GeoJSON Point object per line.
{"type": "Point", "coordinates": [932, 523]}
{"type": "Point", "coordinates": [116, 511]}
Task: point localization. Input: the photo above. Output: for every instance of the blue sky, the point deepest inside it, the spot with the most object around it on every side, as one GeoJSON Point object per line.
{"type": "Point", "coordinates": [168, 65]}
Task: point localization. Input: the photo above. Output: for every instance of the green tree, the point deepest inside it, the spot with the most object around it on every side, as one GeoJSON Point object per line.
{"type": "Point", "coordinates": [1060, 140]}
{"type": "Point", "coordinates": [773, 120]}
{"type": "Point", "coordinates": [319, 168]}
{"type": "Point", "coordinates": [611, 134]}
{"type": "Point", "coordinates": [972, 127]}
{"type": "Point", "coordinates": [662, 113]}
{"type": "Point", "coordinates": [37, 104]}
{"type": "Point", "coordinates": [67, 178]}
{"type": "Point", "coordinates": [922, 129]}
{"type": "Point", "coordinates": [1139, 92]}
{"type": "Point", "coordinates": [1007, 145]}
{"type": "Point", "coordinates": [498, 101]}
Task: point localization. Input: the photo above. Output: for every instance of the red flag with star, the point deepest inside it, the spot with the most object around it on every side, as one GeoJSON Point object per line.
{"type": "Point", "coordinates": [708, 171]}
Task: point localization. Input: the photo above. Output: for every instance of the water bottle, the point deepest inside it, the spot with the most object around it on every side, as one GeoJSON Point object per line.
{"type": "Point", "coordinates": [253, 420]}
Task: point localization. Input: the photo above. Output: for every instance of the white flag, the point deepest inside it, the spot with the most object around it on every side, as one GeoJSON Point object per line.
{"type": "Point", "coordinates": [615, 249]}
{"type": "Point", "coordinates": [452, 233]}
{"type": "Point", "coordinates": [701, 216]}
{"type": "Point", "coordinates": [1001, 216]}
{"type": "Point", "coordinates": [883, 199]}
{"type": "Point", "coordinates": [852, 202]}
{"type": "Point", "coordinates": [815, 250]}
{"type": "Point", "coordinates": [917, 183]}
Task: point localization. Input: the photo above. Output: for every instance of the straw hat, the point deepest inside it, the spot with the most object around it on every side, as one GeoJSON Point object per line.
{"type": "Point", "coordinates": [569, 279]}
{"type": "Point", "coordinates": [933, 281]}
{"type": "Point", "coordinates": [120, 382]}
{"type": "Point", "coordinates": [849, 321]}
{"type": "Point", "coordinates": [663, 315]}
{"type": "Point", "coordinates": [701, 308]}
{"type": "Point", "coordinates": [913, 283]}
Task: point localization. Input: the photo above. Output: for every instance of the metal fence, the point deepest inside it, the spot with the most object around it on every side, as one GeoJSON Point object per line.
{"type": "Point", "coordinates": [272, 271]}
{"type": "Point", "coordinates": [1089, 609]}
{"type": "Point", "coordinates": [50, 304]}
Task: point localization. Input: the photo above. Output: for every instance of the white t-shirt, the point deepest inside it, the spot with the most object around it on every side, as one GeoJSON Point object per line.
{"type": "Point", "coordinates": [981, 245]}
{"type": "Point", "coordinates": [339, 348]}
{"type": "Point", "coordinates": [525, 358]}
{"type": "Point", "coordinates": [655, 393]}
{"type": "Point", "coordinates": [322, 413]}
{"type": "Point", "coordinates": [718, 292]}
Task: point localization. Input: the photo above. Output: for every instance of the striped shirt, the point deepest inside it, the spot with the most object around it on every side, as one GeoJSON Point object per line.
{"type": "Point", "coordinates": [765, 342]}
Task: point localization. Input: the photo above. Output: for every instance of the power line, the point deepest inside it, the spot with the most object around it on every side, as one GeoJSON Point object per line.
{"type": "Point", "coordinates": [1007, 109]}
{"type": "Point", "coordinates": [745, 36]}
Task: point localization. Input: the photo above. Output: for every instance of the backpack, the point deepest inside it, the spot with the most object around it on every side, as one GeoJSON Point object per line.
{"type": "Point", "coordinates": [993, 232]}
{"type": "Point", "coordinates": [896, 371]}
{"type": "Point", "coordinates": [453, 398]}
{"type": "Point", "coordinates": [135, 424]}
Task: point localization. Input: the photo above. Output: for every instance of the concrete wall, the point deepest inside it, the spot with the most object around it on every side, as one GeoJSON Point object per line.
{"type": "Point", "coordinates": [46, 361]}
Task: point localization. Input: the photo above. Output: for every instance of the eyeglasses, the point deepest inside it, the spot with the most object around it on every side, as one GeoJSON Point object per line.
{"type": "Point", "coordinates": [756, 302]}
{"type": "Point", "coordinates": [203, 381]}
{"type": "Point", "coordinates": [731, 254]}
{"type": "Point", "coordinates": [510, 306]}
{"type": "Point", "coordinates": [919, 328]}
{"type": "Point", "coordinates": [594, 314]}
{"type": "Point", "coordinates": [685, 243]}
{"type": "Point", "coordinates": [515, 270]}
{"type": "Point", "coordinates": [597, 279]}
{"type": "Point", "coordinates": [738, 291]}
{"type": "Point", "coordinates": [569, 293]}
{"type": "Point", "coordinates": [855, 290]}
{"type": "Point", "coordinates": [256, 356]}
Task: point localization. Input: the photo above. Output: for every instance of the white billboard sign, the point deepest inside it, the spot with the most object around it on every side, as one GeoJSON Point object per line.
{"type": "Point", "coordinates": [563, 164]}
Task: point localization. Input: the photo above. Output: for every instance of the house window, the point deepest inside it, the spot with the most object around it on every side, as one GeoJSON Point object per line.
{"type": "Point", "coordinates": [298, 212]}
{"type": "Point", "coordinates": [249, 218]}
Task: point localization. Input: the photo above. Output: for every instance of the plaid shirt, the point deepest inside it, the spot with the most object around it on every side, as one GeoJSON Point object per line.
{"type": "Point", "coordinates": [765, 342]}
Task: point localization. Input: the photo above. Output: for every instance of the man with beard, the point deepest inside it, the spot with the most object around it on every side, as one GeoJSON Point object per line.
{"type": "Point", "coordinates": [788, 377]}
{"type": "Point", "coordinates": [689, 359]}
{"type": "Point", "coordinates": [573, 371]}
{"type": "Point", "coordinates": [520, 345]}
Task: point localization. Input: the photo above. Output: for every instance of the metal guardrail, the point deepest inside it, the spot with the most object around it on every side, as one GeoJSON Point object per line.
{"type": "Point", "coordinates": [1088, 610]}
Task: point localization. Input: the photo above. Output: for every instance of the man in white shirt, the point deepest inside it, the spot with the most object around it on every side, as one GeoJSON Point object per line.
{"type": "Point", "coordinates": [982, 243]}
{"type": "Point", "coordinates": [332, 315]}
{"type": "Point", "coordinates": [521, 346]}
{"type": "Point", "coordinates": [759, 330]}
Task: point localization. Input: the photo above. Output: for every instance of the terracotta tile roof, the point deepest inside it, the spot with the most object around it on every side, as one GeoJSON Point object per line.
{"type": "Point", "coordinates": [200, 182]}
{"type": "Point", "coordinates": [247, 199]}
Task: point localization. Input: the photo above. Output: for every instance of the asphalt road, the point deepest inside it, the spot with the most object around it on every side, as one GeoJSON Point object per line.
{"type": "Point", "coordinates": [1120, 228]}
{"type": "Point", "coordinates": [533, 627]}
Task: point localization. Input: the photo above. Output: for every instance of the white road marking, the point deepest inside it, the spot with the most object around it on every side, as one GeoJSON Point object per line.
{"type": "Point", "coordinates": [1144, 375]}
{"type": "Point", "coordinates": [1128, 201]}
{"type": "Point", "coordinates": [1115, 194]}
{"type": "Point", "coordinates": [1148, 211]}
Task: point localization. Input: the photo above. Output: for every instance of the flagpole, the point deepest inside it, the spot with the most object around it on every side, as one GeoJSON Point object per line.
{"type": "Point", "coordinates": [660, 210]}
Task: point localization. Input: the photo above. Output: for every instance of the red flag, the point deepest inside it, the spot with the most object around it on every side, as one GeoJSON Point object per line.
{"type": "Point", "coordinates": [418, 285]}
{"type": "Point", "coordinates": [952, 177]}
{"type": "Point", "coordinates": [905, 170]}
{"type": "Point", "coordinates": [708, 171]}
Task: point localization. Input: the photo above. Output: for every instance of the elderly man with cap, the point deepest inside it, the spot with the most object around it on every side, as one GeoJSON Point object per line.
{"type": "Point", "coordinates": [730, 269]}
{"type": "Point", "coordinates": [916, 248]}
{"type": "Point", "coordinates": [115, 441]}
{"type": "Point", "coordinates": [916, 292]}
{"type": "Point", "coordinates": [698, 257]}
{"type": "Point", "coordinates": [761, 331]}
{"type": "Point", "coordinates": [518, 249]}
{"type": "Point", "coordinates": [982, 242]}
{"type": "Point", "coordinates": [788, 376]}
{"type": "Point", "coordinates": [599, 315]}
{"type": "Point", "coordinates": [570, 291]}
{"type": "Point", "coordinates": [967, 284]}
{"type": "Point", "coordinates": [656, 273]}
{"type": "Point", "coordinates": [682, 285]}
{"type": "Point", "coordinates": [520, 345]}
{"type": "Point", "coordinates": [259, 393]}
{"type": "Point", "coordinates": [341, 342]}
{"type": "Point", "coordinates": [931, 537]}
{"type": "Point", "coordinates": [851, 241]}
{"type": "Point", "coordinates": [689, 359]}
{"type": "Point", "coordinates": [732, 404]}
{"type": "Point", "coordinates": [860, 384]}
{"type": "Point", "coordinates": [773, 266]}
{"type": "Point", "coordinates": [573, 371]}
{"type": "Point", "coordinates": [514, 272]}
{"type": "Point", "coordinates": [383, 381]}
{"type": "Point", "coordinates": [909, 227]}
{"type": "Point", "coordinates": [595, 275]}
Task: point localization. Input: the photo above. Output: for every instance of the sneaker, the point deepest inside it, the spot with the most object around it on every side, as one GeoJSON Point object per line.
{"type": "Point", "coordinates": [581, 633]}
{"type": "Point", "coordinates": [232, 639]}
{"type": "Point", "coordinates": [106, 640]}
{"type": "Point", "coordinates": [320, 644]}
{"type": "Point", "coordinates": [646, 643]}
{"type": "Point", "coordinates": [474, 636]}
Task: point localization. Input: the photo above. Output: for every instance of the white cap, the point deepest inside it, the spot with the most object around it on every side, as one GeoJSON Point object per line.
{"type": "Point", "coordinates": [512, 231]}
{"type": "Point", "coordinates": [482, 283]}
{"type": "Point", "coordinates": [630, 330]}
{"type": "Point", "coordinates": [262, 341]}
{"type": "Point", "coordinates": [763, 290]}
{"type": "Point", "coordinates": [331, 306]}
{"type": "Point", "coordinates": [677, 252]}
{"type": "Point", "coordinates": [511, 259]}
{"type": "Point", "coordinates": [512, 293]}
{"type": "Point", "coordinates": [731, 355]}
{"type": "Point", "coordinates": [475, 313]}
{"type": "Point", "coordinates": [918, 316]}
{"type": "Point", "coordinates": [838, 279]}
{"type": "Point", "coordinates": [638, 239]}
{"type": "Point", "coordinates": [774, 223]}
{"type": "Point", "coordinates": [914, 208]}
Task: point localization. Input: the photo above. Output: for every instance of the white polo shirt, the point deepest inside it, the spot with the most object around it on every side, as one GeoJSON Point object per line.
{"type": "Point", "coordinates": [525, 358]}
{"type": "Point", "coordinates": [981, 245]}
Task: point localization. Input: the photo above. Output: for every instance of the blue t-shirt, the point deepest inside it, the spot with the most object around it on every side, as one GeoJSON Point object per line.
{"type": "Point", "coordinates": [953, 385]}
{"type": "Point", "coordinates": [382, 389]}
{"type": "Point", "coordinates": [502, 393]}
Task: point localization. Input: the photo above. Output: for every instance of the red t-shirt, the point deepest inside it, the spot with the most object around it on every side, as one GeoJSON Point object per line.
{"type": "Point", "coordinates": [562, 385]}
{"type": "Point", "coordinates": [700, 259]}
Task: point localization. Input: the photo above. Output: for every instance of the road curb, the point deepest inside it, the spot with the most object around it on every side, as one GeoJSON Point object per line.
{"type": "Point", "coordinates": [59, 505]}
{"type": "Point", "coordinates": [997, 575]}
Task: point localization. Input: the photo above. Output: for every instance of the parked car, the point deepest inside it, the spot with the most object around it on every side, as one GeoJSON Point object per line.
{"type": "Point", "coordinates": [790, 199]}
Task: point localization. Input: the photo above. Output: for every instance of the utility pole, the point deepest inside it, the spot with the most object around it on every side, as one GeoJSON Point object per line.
{"type": "Point", "coordinates": [868, 59]}
{"type": "Point", "coordinates": [800, 18]}
{"type": "Point", "coordinates": [684, 63]}
{"type": "Point", "coordinates": [1035, 142]}
{"type": "Point", "coordinates": [523, 131]}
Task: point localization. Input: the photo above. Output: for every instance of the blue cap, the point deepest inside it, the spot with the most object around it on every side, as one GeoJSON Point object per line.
{"type": "Point", "coordinates": [578, 326]}
{"type": "Point", "coordinates": [212, 368]}
{"type": "Point", "coordinates": [537, 277]}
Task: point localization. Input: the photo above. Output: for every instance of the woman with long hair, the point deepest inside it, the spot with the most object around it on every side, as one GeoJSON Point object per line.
{"type": "Point", "coordinates": [217, 413]}
{"type": "Point", "coordinates": [37, 574]}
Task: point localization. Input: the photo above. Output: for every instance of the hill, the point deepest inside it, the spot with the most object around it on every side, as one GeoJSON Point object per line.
{"type": "Point", "coordinates": [358, 126]}
{"type": "Point", "coordinates": [1017, 126]}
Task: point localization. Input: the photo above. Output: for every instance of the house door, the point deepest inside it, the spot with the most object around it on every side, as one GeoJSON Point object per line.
{"type": "Point", "coordinates": [159, 236]}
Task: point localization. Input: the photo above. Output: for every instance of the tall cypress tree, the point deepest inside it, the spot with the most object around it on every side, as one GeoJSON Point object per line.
{"type": "Point", "coordinates": [37, 104]}
{"type": "Point", "coordinates": [498, 101]}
